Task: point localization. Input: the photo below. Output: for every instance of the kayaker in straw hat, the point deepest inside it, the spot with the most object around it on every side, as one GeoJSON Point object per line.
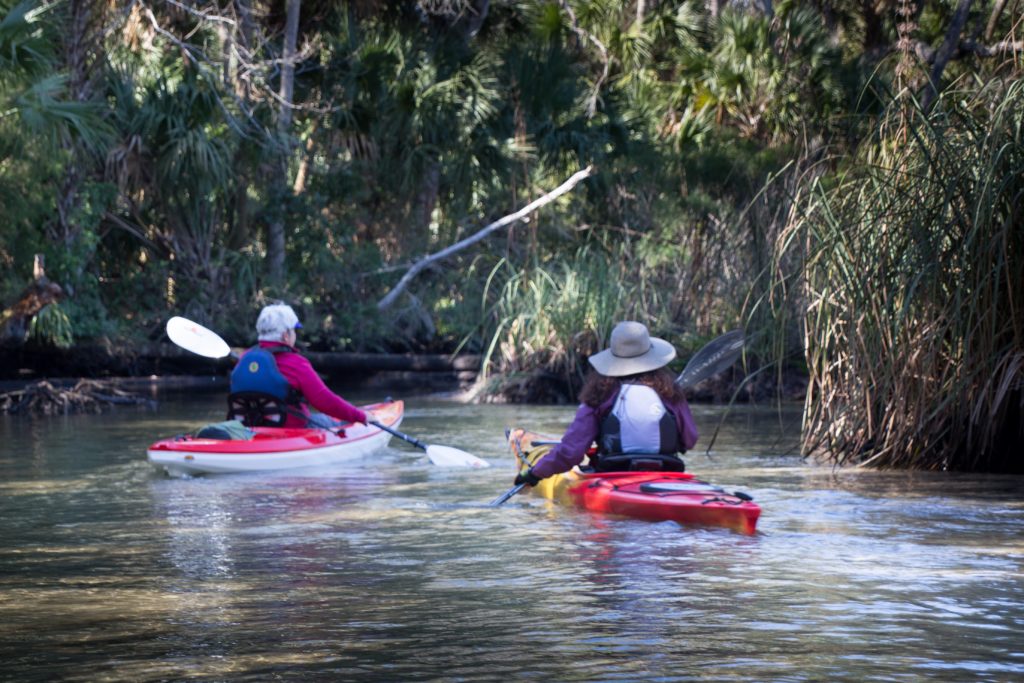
{"type": "Point", "coordinates": [630, 406]}
{"type": "Point", "coordinates": [275, 369]}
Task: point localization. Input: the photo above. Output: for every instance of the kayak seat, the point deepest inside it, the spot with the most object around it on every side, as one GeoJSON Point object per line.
{"type": "Point", "coordinates": [638, 462]}
{"type": "Point", "coordinates": [256, 409]}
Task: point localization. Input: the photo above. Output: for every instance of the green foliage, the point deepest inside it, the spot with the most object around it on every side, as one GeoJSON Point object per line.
{"type": "Point", "coordinates": [149, 171]}
{"type": "Point", "coordinates": [51, 326]}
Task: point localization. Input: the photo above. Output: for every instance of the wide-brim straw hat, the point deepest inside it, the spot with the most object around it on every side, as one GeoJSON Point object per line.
{"type": "Point", "coordinates": [632, 350]}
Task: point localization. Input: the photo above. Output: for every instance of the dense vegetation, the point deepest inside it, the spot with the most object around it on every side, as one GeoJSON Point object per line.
{"type": "Point", "coordinates": [841, 178]}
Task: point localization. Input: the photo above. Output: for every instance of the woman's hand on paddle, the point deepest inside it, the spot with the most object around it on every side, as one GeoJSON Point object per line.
{"type": "Point", "coordinates": [528, 478]}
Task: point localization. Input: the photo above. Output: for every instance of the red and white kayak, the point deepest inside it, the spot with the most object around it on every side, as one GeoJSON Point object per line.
{"type": "Point", "coordinates": [276, 448]}
{"type": "Point", "coordinates": [656, 496]}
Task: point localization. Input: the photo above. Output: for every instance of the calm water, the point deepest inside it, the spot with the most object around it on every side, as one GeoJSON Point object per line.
{"type": "Point", "coordinates": [398, 571]}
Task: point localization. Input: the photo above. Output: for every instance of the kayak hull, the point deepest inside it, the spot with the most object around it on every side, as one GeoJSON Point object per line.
{"type": "Point", "coordinates": [654, 496]}
{"type": "Point", "coordinates": [275, 448]}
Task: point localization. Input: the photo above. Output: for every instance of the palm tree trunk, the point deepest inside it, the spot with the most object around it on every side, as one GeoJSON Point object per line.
{"type": "Point", "coordinates": [79, 54]}
{"type": "Point", "coordinates": [275, 230]}
{"type": "Point", "coordinates": [426, 198]}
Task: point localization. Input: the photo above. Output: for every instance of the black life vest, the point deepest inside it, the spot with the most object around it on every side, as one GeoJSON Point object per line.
{"type": "Point", "coordinates": [610, 458]}
{"type": "Point", "coordinates": [609, 440]}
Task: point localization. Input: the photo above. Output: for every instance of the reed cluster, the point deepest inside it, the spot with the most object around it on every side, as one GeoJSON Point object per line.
{"type": "Point", "coordinates": [913, 265]}
{"type": "Point", "coordinates": [543, 322]}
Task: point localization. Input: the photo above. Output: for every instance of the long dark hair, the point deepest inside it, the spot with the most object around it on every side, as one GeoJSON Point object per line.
{"type": "Point", "coordinates": [598, 388]}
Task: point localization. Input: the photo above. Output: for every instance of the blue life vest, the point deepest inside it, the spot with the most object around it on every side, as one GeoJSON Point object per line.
{"type": "Point", "coordinates": [257, 372]}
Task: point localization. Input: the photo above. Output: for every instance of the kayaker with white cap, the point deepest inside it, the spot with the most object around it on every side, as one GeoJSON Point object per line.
{"type": "Point", "coordinates": [274, 371]}
{"type": "Point", "coordinates": [630, 406]}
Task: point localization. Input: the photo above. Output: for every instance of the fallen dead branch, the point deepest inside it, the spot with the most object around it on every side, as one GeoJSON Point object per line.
{"type": "Point", "coordinates": [417, 267]}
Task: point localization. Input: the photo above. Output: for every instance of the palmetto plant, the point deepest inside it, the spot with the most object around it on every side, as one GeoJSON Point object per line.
{"type": "Point", "coordinates": [51, 326]}
{"type": "Point", "coordinates": [31, 94]}
{"type": "Point", "coordinates": [771, 77]}
{"type": "Point", "coordinates": [174, 166]}
{"type": "Point", "coordinates": [39, 125]}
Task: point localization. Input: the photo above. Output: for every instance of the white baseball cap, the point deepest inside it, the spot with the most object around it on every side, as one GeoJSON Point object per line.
{"type": "Point", "coordinates": [275, 320]}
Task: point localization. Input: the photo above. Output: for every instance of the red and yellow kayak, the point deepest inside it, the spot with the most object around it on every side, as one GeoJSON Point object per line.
{"type": "Point", "coordinates": [655, 496]}
{"type": "Point", "coordinates": [276, 448]}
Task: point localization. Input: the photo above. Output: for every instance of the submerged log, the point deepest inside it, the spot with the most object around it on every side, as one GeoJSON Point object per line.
{"type": "Point", "coordinates": [87, 396]}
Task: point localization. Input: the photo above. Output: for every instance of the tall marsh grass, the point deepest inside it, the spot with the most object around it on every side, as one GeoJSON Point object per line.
{"type": "Point", "coordinates": [913, 263]}
{"type": "Point", "coordinates": [545, 320]}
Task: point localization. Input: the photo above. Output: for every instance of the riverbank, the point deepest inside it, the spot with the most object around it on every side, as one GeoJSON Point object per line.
{"type": "Point", "coordinates": [167, 366]}
{"type": "Point", "coordinates": [152, 367]}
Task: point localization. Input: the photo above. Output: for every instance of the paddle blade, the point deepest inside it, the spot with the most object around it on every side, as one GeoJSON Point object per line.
{"type": "Point", "coordinates": [446, 456]}
{"type": "Point", "coordinates": [196, 338]}
{"type": "Point", "coordinates": [719, 354]}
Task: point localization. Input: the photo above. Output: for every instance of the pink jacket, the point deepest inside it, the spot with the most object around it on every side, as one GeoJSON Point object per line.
{"type": "Point", "coordinates": [300, 374]}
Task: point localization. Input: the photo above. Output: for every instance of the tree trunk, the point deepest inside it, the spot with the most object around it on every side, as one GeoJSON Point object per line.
{"type": "Point", "coordinates": [279, 181]}
{"type": "Point", "coordinates": [477, 13]}
{"type": "Point", "coordinates": [79, 54]}
{"type": "Point", "coordinates": [874, 30]}
{"type": "Point", "coordinates": [287, 91]}
{"type": "Point", "coordinates": [307, 157]}
{"type": "Point", "coordinates": [993, 18]}
{"type": "Point", "coordinates": [945, 53]}
{"type": "Point", "coordinates": [715, 7]}
{"type": "Point", "coordinates": [426, 198]}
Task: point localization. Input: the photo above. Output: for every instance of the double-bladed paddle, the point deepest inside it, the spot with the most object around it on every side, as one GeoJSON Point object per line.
{"type": "Point", "coordinates": [715, 356]}
{"type": "Point", "coordinates": [194, 337]}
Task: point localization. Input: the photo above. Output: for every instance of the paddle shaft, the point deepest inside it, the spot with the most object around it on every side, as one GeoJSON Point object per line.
{"type": "Point", "coordinates": [404, 437]}
{"type": "Point", "coordinates": [518, 487]}
{"type": "Point", "coordinates": [508, 494]}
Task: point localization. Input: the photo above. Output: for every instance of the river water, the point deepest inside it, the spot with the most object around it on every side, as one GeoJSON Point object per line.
{"type": "Point", "coordinates": [398, 571]}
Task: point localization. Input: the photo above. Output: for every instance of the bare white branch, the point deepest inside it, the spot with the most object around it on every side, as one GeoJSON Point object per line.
{"type": "Point", "coordinates": [519, 215]}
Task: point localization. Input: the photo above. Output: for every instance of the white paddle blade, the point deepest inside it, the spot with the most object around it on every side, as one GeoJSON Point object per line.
{"type": "Point", "coordinates": [446, 456]}
{"type": "Point", "coordinates": [196, 338]}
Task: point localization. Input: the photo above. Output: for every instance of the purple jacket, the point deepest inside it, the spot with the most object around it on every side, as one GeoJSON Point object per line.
{"type": "Point", "coordinates": [586, 426]}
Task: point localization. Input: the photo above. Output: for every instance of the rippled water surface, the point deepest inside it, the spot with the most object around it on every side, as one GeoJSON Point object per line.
{"type": "Point", "coordinates": [398, 570]}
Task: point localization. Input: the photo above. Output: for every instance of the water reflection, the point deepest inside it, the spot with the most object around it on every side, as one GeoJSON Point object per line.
{"type": "Point", "coordinates": [399, 571]}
